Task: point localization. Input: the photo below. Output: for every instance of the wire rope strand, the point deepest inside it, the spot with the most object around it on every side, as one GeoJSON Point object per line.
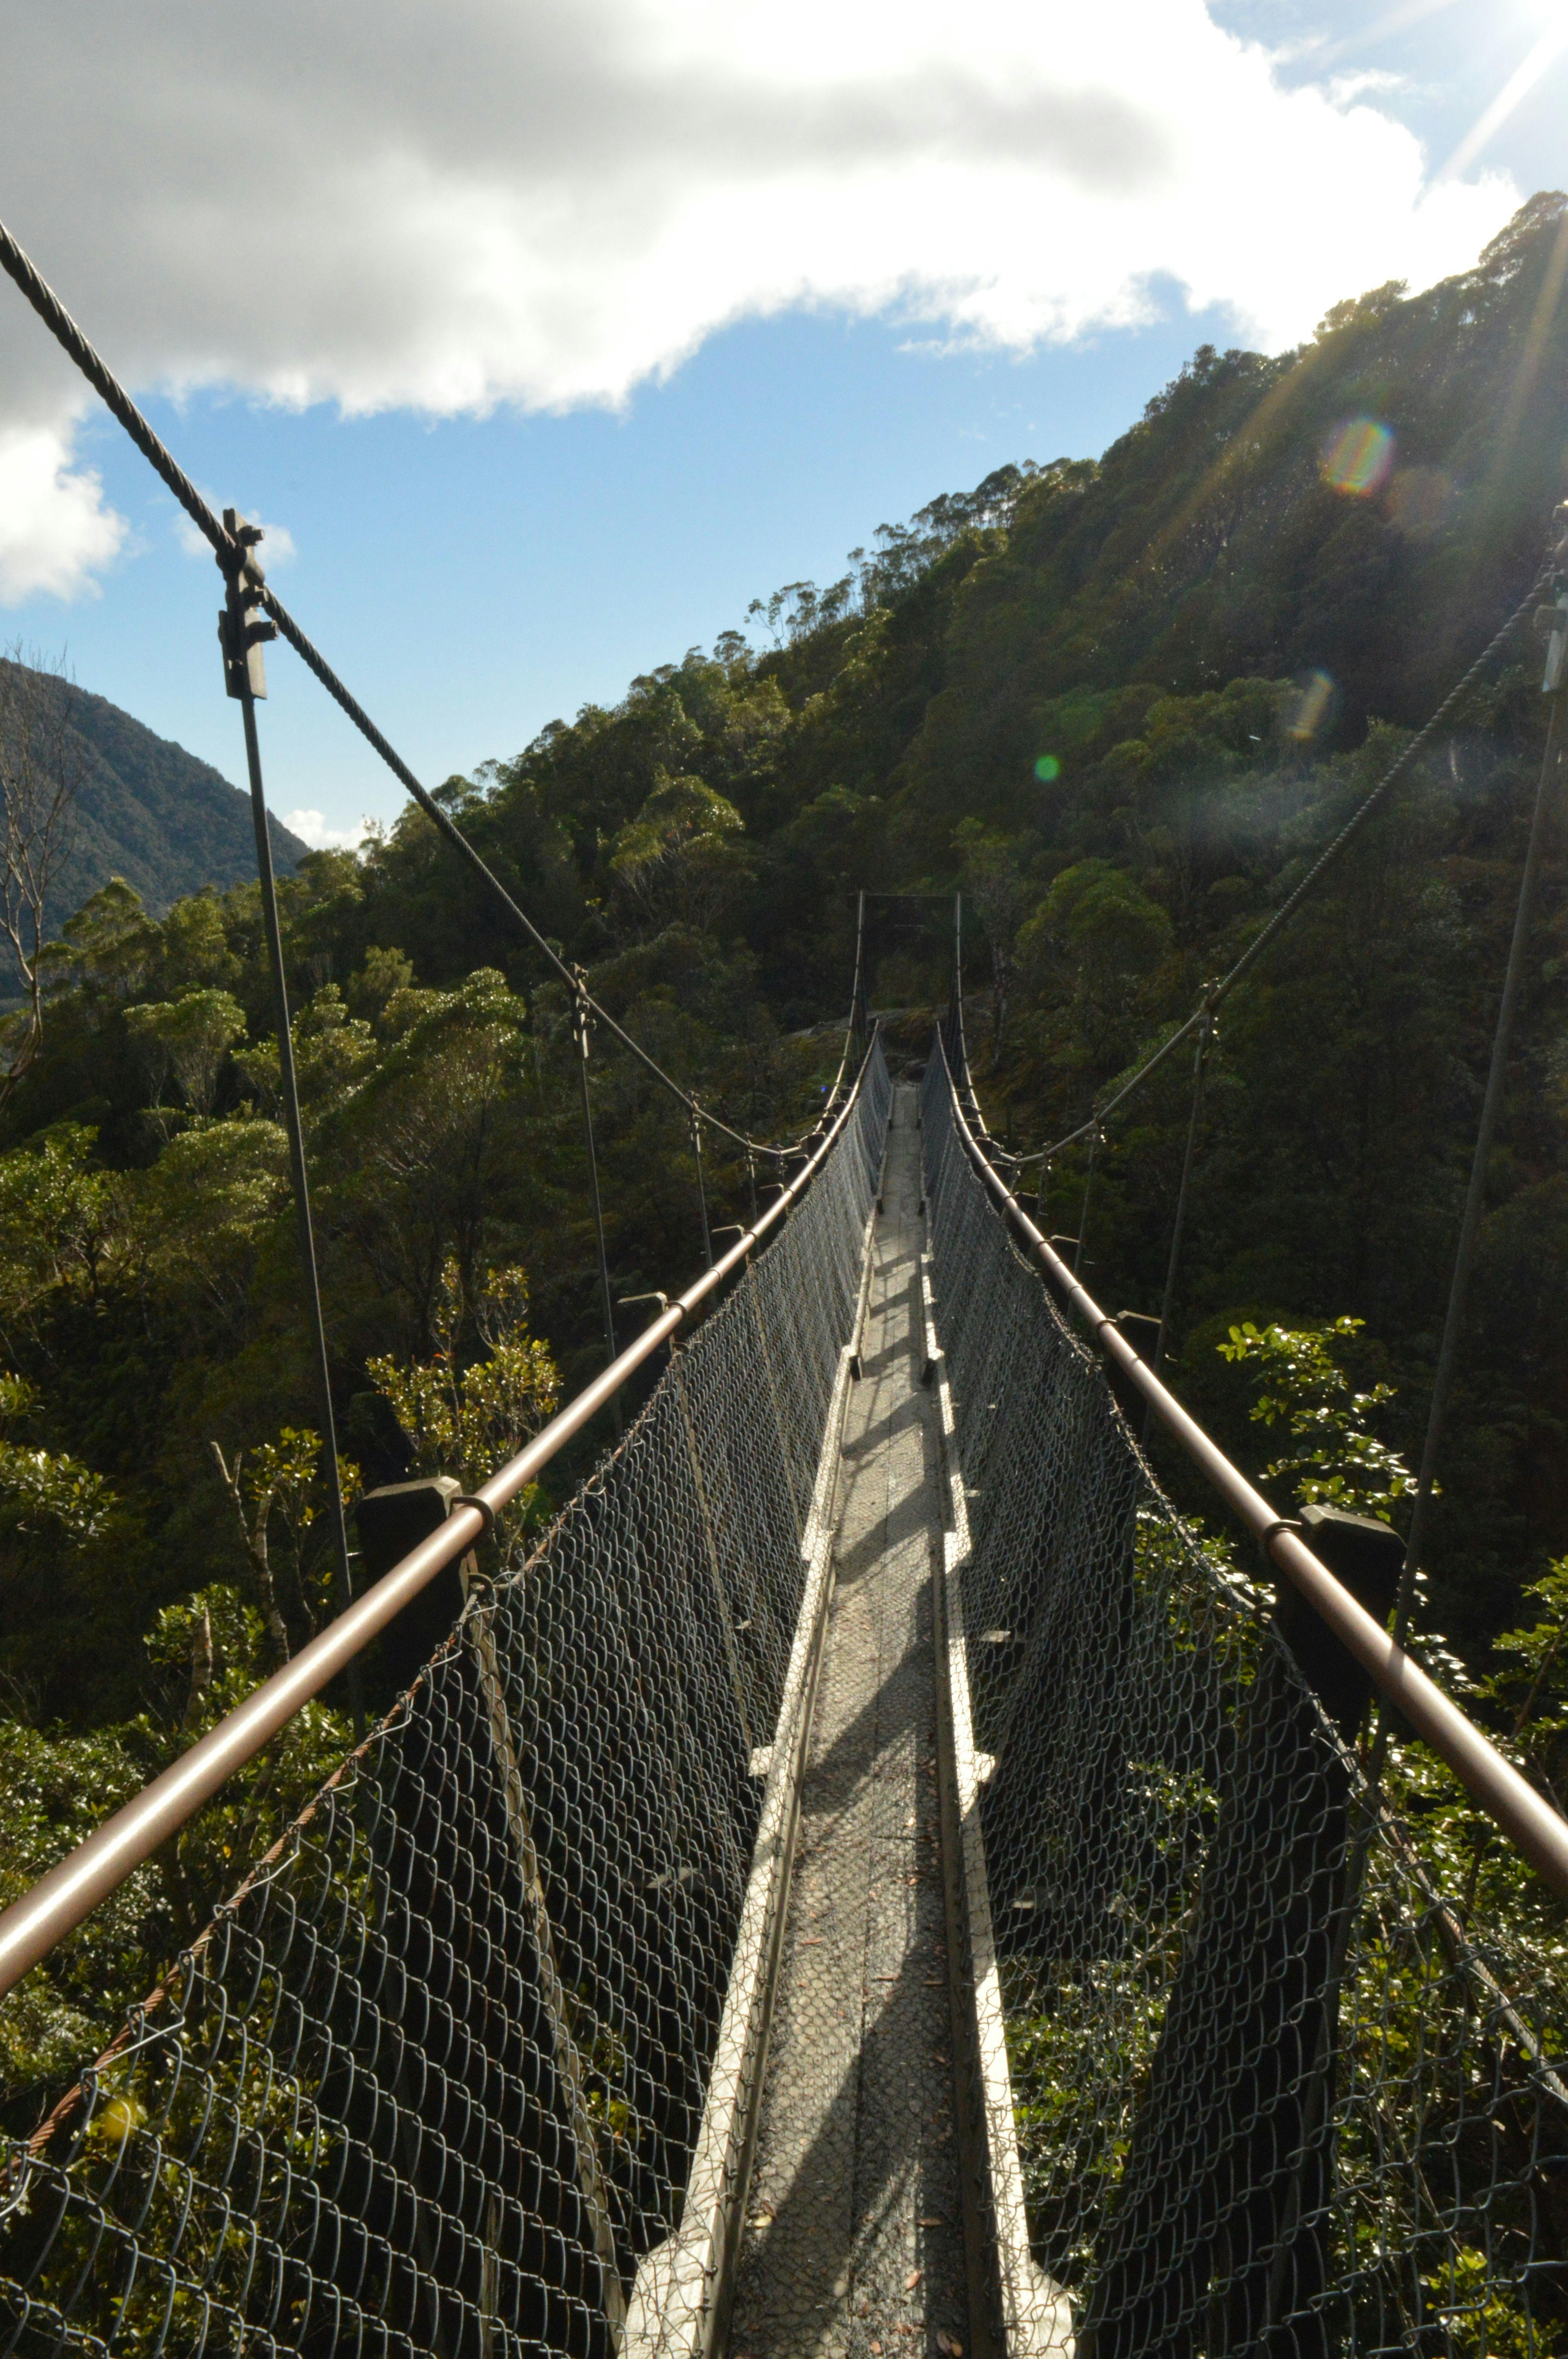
{"type": "Point", "coordinates": [1200, 1063]}
{"type": "Point", "coordinates": [857, 999]}
{"type": "Point", "coordinates": [232, 558]}
{"type": "Point", "coordinates": [1217, 994]}
{"type": "Point", "coordinates": [1094, 1137]}
{"type": "Point", "coordinates": [701, 1189]}
{"type": "Point", "coordinates": [380, 2072]}
{"type": "Point", "coordinates": [296, 1133]}
{"type": "Point", "coordinates": [64, 328]}
{"type": "Point", "coordinates": [1178, 1224]}
{"type": "Point", "coordinates": [581, 1029]}
{"type": "Point", "coordinates": [316, 662]}
{"type": "Point", "coordinates": [1475, 1192]}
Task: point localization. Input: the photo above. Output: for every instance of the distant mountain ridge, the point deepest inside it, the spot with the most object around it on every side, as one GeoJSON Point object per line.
{"type": "Point", "coordinates": [154, 814]}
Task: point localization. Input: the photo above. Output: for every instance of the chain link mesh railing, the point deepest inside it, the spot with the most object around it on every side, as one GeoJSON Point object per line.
{"type": "Point", "coordinates": [435, 2078]}
{"type": "Point", "coordinates": [1274, 2088]}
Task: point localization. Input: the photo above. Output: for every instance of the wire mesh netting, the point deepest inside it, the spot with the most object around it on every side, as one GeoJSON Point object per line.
{"type": "Point", "coordinates": [434, 2081]}
{"type": "Point", "coordinates": [1274, 2088]}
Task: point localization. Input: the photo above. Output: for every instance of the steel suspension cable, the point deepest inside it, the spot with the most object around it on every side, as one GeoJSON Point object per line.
{"type": "Point", "coordinates": [582, 1033]}
{"type": "Point", "coordinates": [33, 1924]}
{"type": "Point", "coordinates": [856, 1029]}
{"type": "Point", "coordinates": [1096, 1137]}
{"type": "Point", "coordinates": [701, 1189]}
{"type": "Point", "coordinates": [1178, 1224]}
{"type": "Point", "coordinates": [233, 558]}
{"type": "Point", "coordinates": [1491, 1104]}
{"type": "Point", "coordinates": [288, 1090]}
{"type": "Point", "coordinates": [1525, 1817]}
{"type": "Point", "coordinates": [1215, 994]}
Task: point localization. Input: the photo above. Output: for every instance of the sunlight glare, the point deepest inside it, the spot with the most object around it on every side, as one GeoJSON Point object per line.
{"type": "Point", "coordinates": [1538, 61]}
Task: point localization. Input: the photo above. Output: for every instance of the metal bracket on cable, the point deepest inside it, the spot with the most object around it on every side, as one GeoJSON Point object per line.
{"type": "Point", "coordinates": [242, 629]}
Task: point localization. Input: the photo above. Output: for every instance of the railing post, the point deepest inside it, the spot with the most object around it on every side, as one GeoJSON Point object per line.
{"type": "Point", "coordinates": [1217, 2235]}
{"type": "Point", "coordinates": [391, 1521]}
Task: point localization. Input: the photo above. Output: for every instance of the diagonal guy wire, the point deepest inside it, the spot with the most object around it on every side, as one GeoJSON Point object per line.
{"type": "Point", "coordinates": [233, 558]}
{"type": "Point", "coordinates": [1219, 992]}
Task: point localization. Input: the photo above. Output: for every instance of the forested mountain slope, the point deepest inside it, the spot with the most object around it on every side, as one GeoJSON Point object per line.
{"type": "Point", "coordinates": [150, 812]}
{"type": "Point", "coordinates": [1121, 704]}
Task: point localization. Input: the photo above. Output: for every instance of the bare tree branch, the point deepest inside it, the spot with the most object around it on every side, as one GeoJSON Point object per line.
{"type": "Point", "coordinates": [40, 774]}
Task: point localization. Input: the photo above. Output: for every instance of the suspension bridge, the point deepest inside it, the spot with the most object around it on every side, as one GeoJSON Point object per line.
{"type": "Point", "coordinates": [873, 1878]}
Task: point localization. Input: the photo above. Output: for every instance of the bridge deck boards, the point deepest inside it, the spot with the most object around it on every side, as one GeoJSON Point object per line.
{"type": "Point", "coordinates": [854, 2241]}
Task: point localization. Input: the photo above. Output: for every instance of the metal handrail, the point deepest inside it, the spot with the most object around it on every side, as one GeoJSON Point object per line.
{"type": "Point", "coordinates": [57, 1903]}
{"type": "Point", "coordinates": [1530, 1823]}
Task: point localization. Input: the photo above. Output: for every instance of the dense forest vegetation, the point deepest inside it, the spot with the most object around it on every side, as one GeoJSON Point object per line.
{"type": "Point", "coordinates": [1119, 705]}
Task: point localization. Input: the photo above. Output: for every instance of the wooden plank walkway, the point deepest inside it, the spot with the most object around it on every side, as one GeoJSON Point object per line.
{"type": "Point", "coordinates": [854, 2241]}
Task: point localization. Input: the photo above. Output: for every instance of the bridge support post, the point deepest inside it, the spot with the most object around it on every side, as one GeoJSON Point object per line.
{"type": "Point", "coordinates": [1218, 2237]}
{"type": "Point", "coordinates": [391, 1521]}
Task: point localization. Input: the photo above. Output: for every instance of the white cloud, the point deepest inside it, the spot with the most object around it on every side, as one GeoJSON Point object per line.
{"type": "Point", "coordinates": [55, 531]}
{"type": "Point", "coordinates": [310, 827]}
{"type": "Point", "coordinates": [499, 201]}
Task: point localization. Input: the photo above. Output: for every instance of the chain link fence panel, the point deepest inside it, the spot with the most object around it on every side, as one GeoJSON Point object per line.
{"type": "Point", "coordinates": [433, 2081]}
{"type": "Point", "coordinates": [1274, 2089]}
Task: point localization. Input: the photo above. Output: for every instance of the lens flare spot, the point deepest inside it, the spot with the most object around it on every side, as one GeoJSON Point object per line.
{"type": "Point", "coordinates": [1315, 707]}
{"type": "Point", "coordinates": [1047, 768]}
{"type": "Point", "coordinates": [1357, 457]}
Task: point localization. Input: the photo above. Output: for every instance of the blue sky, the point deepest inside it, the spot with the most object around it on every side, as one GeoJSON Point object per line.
{"type": "Point", "coordinates": [503, 503]}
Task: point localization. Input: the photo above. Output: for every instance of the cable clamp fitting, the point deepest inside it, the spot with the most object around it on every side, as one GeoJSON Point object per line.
{"type": "Point", "coordinates": [467, 1499]}
{"type": "Point", "coordinates": [243, 629]}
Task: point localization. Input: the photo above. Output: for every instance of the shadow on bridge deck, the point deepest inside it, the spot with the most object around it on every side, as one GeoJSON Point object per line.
{"type": "Point", "coordinates": [854, 2239]}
